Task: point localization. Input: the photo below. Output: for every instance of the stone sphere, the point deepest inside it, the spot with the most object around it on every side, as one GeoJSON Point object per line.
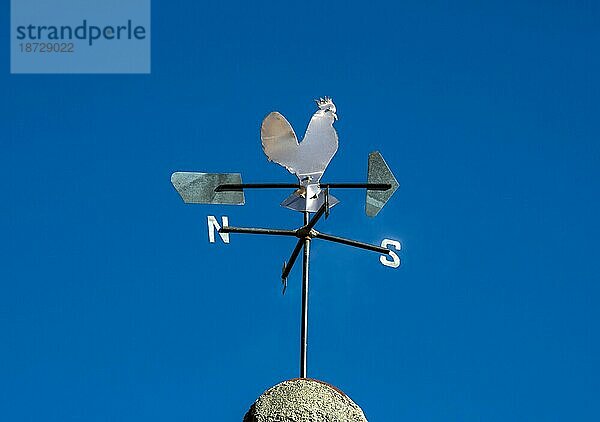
{"type": "Point", "coordinates": [304, 399]}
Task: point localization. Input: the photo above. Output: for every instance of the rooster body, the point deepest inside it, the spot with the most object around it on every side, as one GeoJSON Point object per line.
{"type": "Point", "coordinates": [307, 159]}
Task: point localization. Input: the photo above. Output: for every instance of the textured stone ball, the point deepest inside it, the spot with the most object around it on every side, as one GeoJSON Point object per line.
{"type": "Point", "coordinates": [304, 399]}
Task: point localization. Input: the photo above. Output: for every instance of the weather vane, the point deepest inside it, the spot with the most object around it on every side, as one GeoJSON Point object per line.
{"type": "Point", "coordinates": [308, 161]}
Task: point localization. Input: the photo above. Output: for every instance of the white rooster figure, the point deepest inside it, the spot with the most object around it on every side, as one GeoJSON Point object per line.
{"type": "Point", "coordinates": [307, 159]}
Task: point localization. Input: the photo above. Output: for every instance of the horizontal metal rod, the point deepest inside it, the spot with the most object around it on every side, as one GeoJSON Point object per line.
{"type": "Point", "coordinates": [251, 230]}
{"type": "Point", "coordinates": [227, 187]}
{"type": "Point", "coordinates": [351, 242]}
{"type": "Point", "coordinates": [370, 186]}
{"type": "Point", "coordinates": [237, 187]}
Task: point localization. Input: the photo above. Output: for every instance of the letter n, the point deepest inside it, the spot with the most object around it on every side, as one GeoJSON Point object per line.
{"type": "Point", "coordinates": [214, 224]}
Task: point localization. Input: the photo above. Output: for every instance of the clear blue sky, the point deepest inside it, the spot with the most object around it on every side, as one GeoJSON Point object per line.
{"type": "Point", "coordinates": [113, 306]}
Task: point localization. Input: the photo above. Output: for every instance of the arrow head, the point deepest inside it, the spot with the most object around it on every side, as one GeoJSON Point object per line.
{"type": "Point", "coordinates": [379, 172]}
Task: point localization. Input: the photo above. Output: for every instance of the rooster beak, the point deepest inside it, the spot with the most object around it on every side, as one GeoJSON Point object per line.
{"type": "Point", "coordinates": [335, 117]}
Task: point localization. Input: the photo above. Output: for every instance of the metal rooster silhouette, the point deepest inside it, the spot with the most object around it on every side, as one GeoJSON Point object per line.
{"type": "Point", "coordinates": [307, 159]}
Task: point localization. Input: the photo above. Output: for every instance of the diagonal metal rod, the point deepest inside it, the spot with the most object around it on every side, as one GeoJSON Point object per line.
{"type": "Point", "coordinates": [304, 321]}
{"type": "Point", "coordinates": [308, 226]}
{"type": "Point", "coordinates": [289, 265]}
{"type": "Point", "coordinates": [351, 242]}
{"type": "Point", "coordinates": [251, 230]}
{"type": "Point", "coordinates": [302, 233]}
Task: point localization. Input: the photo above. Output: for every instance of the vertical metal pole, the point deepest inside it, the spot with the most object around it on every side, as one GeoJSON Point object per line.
{"type": "Point", "coordinates": [304, 323]}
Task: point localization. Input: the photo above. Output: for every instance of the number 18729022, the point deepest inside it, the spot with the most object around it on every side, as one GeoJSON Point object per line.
{"type": "Point", "coordinates": [47, 47]}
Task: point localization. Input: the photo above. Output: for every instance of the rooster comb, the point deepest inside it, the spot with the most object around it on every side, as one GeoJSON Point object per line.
{"type": "Point", "coordinates": [324, 103]}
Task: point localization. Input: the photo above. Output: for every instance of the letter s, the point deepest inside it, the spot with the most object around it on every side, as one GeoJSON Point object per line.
{"type": "Point", "coordinates": [384, 259]}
